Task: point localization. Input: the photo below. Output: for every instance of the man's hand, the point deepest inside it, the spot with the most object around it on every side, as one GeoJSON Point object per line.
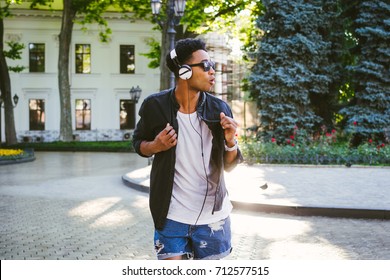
{"type": "Point", "coordinates": [163, 141]}
{"type": "Point", "coordinates": [166, 139]}
{"type": "Point", "coordinates": [229, 127]}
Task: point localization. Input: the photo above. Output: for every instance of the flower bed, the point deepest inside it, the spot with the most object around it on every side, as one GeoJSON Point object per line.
{"type": "Point", "coordinates": [8, 156]}
{"type": "Point", "coordinates": [327, 146]}
{"type": "Point", "coordinates": [6, 153]}
{"type": "Point", "coordinates": [321, 150]}
{"type": "Point", "coordinates": [259, 152]}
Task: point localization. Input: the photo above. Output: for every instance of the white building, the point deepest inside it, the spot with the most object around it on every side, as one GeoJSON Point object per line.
{"type": "Point", "coordinates": [101, 76]}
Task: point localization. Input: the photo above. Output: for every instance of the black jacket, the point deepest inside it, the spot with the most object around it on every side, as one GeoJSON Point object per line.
{"type": "Point", "coordinates": [156, 111]}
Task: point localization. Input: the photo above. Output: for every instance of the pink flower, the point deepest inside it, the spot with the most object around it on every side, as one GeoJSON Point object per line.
{"type": "Point", "coordinates": [370, 141]}
{"type": "Point", "coordinates": [333, 131]}
{"type": "Point", "coordinates": [293, 144]}
{"type": "Point", "coordinates": [288, 141]}
{"type": "Point", "coordinates": [383, 144]}
{"type": "Point", "coordinates": [273, 140]}
{"type": "Point", "coordinates": [355, 123]}
{"type": "Point", "coordinates": [292, 137]}
{"type": "Point", "coordinates": [328, 134]}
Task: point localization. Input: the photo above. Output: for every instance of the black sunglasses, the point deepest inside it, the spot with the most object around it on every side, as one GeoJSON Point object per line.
{"type": "Point", "coordinates": [205, 64]}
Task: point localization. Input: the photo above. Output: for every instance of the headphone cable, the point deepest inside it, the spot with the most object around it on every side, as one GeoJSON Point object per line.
{"type": "Point", "coordinates": [202, 151]}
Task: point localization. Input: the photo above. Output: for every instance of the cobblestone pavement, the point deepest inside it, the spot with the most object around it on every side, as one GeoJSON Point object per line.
{"type": "Point", "coordinates": [75, 206]}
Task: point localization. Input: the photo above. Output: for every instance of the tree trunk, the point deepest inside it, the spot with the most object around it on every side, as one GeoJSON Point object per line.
{"type": "Point", "coordinates": [165, 73]}
{"type": "Point", "coordinates": [5, 88]}
{"type": "Point", "coordinates": [68, 15]}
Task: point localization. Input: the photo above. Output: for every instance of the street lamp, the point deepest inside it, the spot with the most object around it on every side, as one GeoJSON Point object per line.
{"type": "Point", "coordinates": [135, 94]}
{"type": "Point", "coordinates": [156, 6]}
{"type": "Point", "coordinates": [16, 100]}
{"type": "Point", "coordinates": [174, 13]}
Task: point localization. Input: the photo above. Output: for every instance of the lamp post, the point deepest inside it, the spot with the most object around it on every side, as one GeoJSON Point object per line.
{"type": "Point", "coordinates": [16, 100]}
{"type": "Point", "coordinates": [135, 94]}
{"type": "Point", "coordinates": [175, 11]}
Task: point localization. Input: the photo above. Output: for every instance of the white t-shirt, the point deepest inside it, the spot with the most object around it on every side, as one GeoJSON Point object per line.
{"type": "Point", "coordinates": [193, 193]}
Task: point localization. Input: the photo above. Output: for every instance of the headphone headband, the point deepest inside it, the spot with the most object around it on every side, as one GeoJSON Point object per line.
{"type": "Point", "coordinates": [173, 54]}
{"type": "Point", "coordinates": [185, 71]}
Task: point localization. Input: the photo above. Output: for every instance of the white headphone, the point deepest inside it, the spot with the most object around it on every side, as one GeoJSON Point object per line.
{"type": "Point", "coordinates": [185, 71]}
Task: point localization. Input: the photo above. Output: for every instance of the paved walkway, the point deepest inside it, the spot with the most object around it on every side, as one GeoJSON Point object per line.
{"type": "Point", "coordinates": [357, 192]}
{"type": "Point", "coordinates": [75, 206]}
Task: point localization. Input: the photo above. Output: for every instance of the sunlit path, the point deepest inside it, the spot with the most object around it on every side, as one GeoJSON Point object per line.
{"type": "Point", "coordinates": [75, 206]}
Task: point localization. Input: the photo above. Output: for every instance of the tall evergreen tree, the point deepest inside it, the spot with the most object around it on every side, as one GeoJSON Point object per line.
{"type": "Point", "coordinates": [369, 113]}
{"type": "Point", "coordinates": [333, 61]}
{"type": "Point", "coordinates": [294, 66]}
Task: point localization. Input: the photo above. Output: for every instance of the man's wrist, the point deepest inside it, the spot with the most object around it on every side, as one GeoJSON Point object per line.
{"type": "Point", "coordinates": [149, 148]}
{"type": "Point", "coordinates": [231, 145]}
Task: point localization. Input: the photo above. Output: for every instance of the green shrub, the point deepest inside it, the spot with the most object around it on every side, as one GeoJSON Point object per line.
{"type": "Point", "coordinates": [316, 153]}
{"type": "Point", "coordinates": [93, 146]}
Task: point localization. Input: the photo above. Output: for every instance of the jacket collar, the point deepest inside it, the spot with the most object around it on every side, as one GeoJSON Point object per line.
{"type": "Point", "coordinates": [199, 106]}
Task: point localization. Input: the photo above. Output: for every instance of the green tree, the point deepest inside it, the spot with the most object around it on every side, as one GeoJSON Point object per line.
{"type": "Point", "coordinates": [200, 16]}
{"type": "Point", "coordinates": [369, 112]}
{"type": "Point", "coordinates": [5, 81]}
{"type": "Point", "coordinates": [345, 48]}
{"type": "Point", "coordinates": [295, 75]}
{"type": "Point", "coordinates": [333, 60]}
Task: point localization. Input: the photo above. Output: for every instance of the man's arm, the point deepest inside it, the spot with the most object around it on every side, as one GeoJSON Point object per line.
{"type": "Point", "coordinates": [163, 141]}
{"type": "Point", "coordinates": [230, 156]}
{"type": "Point", "coordinates": [229, 126]}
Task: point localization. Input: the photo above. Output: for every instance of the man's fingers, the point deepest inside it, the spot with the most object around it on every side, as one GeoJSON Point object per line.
{"type": "Point", "coordinates": [227, 123]}
{"type": "Point", "coordinates": [170, 135]}
{"type": "Point", "coordinates": [168, 128]}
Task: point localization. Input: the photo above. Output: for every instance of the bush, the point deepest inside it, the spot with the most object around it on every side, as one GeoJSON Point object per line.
{"type": "Point", "coordinates": [74, 146]}
{"type": "Point", "coordinates": [320, 149]}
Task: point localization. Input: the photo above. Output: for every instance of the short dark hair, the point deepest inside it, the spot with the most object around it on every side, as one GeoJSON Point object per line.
{"type": "Point", "coordinates": [184, 49]}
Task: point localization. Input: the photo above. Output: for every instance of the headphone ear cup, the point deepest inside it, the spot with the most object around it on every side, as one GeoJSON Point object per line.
{"type": "Point", "coordinates": [185, 72]}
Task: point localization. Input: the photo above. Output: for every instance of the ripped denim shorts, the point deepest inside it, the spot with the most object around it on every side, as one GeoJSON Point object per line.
{"type": "Point", "coordinates": [207, 242]}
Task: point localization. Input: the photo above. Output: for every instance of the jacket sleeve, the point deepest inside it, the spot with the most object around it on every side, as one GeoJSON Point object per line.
{"type": "Point", "coordinates": [141, 133]}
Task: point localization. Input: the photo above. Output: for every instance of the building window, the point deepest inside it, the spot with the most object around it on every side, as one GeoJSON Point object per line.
{"type": "Point", "coordinates": [37, 57]}
{"type": "Point", "coordinates": [37, 114]}
{"type": "Point", "coordinates": [83, 58]}
{"type": "Point", "coordinates": [83, 114]}
{"type": "Point", "coordinates": [127, 114]}
{"type": "Point", "coordinates": [127, 59]}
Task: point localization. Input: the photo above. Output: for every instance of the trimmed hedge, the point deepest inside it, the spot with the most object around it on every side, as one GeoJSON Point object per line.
{"type": "Point", "coordinates": [259, 152]}
{"type": "Point", "coordinates": [74, 146]}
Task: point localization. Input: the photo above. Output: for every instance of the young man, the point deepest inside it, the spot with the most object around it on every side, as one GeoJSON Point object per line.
{"type": "Point", "coordinates": [192, 137]}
